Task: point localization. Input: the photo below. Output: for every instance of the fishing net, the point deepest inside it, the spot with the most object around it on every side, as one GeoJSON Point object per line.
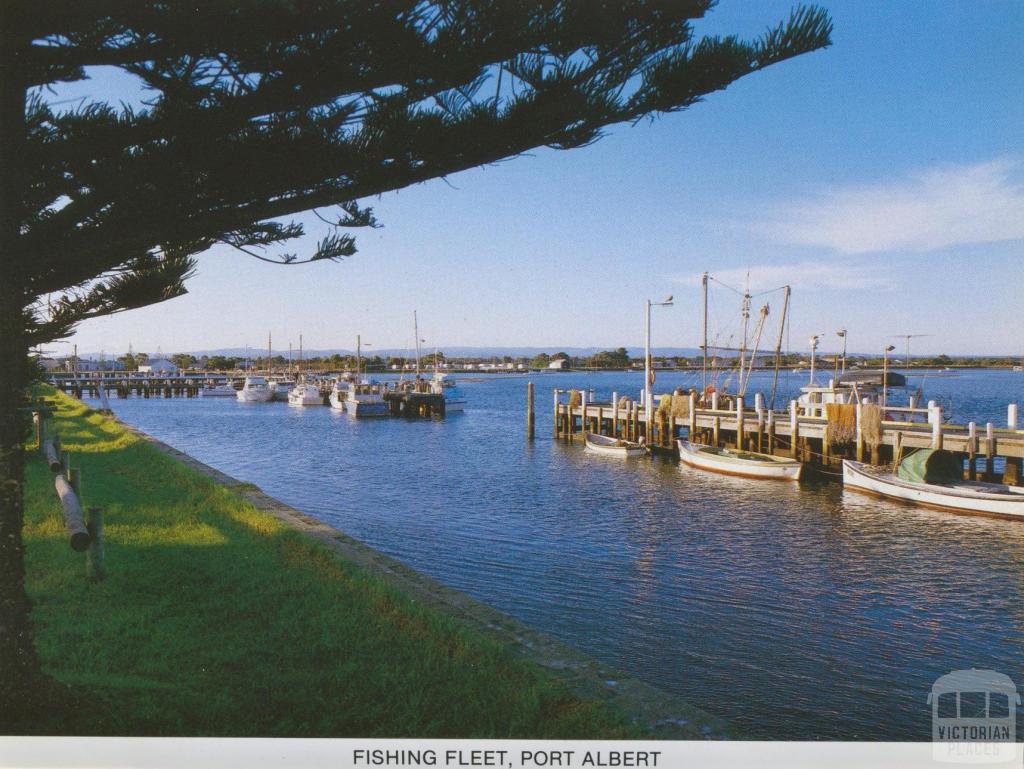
{"type": "Point", "coordinates": [624, 402]}
{"type": "Point", "coordinates": [871, 425]}
{"type": "Point", "coordinates": [841, 429]}
{"type": "Point", "coordinates": [575, 398]}
{"type": "Point", "coordinates": [676, 405]}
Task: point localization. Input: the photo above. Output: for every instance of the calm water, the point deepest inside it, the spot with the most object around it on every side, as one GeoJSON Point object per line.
{"type": "Point", "coordinates": [794, 612]}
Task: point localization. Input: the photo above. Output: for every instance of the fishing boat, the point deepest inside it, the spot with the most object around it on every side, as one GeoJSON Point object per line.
{"type": "Point", "coordinates": [365, 399]}
{"type": "Point", "coordinates": [339, 392]}
{"type": "Point", "coordinates": [255, 390]}
{"type": "Point", "coordinates": [747, 464]}
{"type": "Point", "coordinates": [280, 388]}
{"type": "Point", "coordinates": [612, 447]}
{"type": "Point", "coordinates": [219, 391]}
{"type": "Point", "coordinates": [454, 401]}
{"type": "Point", "coordinates": [934, 478]}
{"type": "Point", "coordinates": [305, 394]}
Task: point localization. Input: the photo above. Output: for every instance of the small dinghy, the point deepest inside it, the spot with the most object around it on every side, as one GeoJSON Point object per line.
{"type": "Point", "coordinates": [613, 447]}
{"type": "Point", "coordinates": [934, 478]}
{"type": "Point", "coordinates": [747, 464]}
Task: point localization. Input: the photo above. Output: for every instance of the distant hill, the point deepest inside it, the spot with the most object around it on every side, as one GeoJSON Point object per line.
{"type": "Point", "coordinates": [451, 352]}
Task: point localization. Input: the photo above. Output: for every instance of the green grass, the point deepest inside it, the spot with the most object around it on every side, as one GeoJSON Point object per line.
{"type": "Point", "coordinates": [215, 619]}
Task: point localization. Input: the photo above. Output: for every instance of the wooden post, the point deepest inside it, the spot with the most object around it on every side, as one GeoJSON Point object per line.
{"type": "Point", "coordinates": [794, 430]}
{"type": "Point", "coordinates": [635, 417]}
{"type": "Point", "coordinates": [860, 435]}
{"type": "Point", "coordinates": [935, 417]}
{"type": "Point", "coordinates": [600, 420]}
{"type": "Point", "coordinates": [583, 412]}
{"type": "Point", "coordinates": [615, 415]}
{"type": "Point", "coordinates": [95, 562]}
{"type": "Point", "coordinates": [990, 451]}
{"type": "Point", "coordinates": [739, 422]}
{"type": "Point", "coordinates": [771, 432]}
{"type": "Point", "coordinates": [1012, 474]}
{"type": "Point", "coordinates": [529, 410]}
{"type": "Point", "coordinates": [760, 430]}
{"type": "Point", "coordinates": [557, 415]}
{"type": "Point", "coordinates": [972, 451]}
{"type": "Point", "coordinates": [691, 427]}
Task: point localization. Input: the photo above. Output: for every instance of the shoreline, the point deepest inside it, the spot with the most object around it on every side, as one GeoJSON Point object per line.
{"type": "Point", "coordinates": [666, 715]}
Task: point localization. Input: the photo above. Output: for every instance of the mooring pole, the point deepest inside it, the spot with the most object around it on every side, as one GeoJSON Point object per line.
{"type": "Point", "coordinates": [529, 410]}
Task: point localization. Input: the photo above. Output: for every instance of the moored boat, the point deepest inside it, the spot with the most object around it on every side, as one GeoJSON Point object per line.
{"type": "Point", "coordinates": [934, 478]}
{"type": "Point", "coordinates": [255, 390]}
{"type": "Point", "coordinates": [612, 447]}
{"type": "Point", "coordinates": [366, 400]}
{"type": "Point", "coordinates": [747, 464]}
{"type": "Point", "coordinates": [219, 391]}
{"type": "Point", "coordinates": [305, 394]}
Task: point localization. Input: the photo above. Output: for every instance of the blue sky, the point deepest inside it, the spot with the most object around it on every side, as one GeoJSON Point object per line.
{"type": "Point", "coordinates": [883, 178]}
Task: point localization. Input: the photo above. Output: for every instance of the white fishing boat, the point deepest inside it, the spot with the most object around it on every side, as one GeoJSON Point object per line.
{"type": "Point", "coordinates": [280, 388]}
{"type": "Point", "coordinates": [746, 464]}
{"type": "Point", "coordinates": [339, 392]}
{"type": "Point", "coordinates": [612, 447]}
{"type": "Point", "coordinates": [934, 478]}
{"type": "Point", "coordinates": [219, 391]}
{"type": "Point", "coordinates": [255, 390]}
{"type": "Point", "coordinates": [305, 394]}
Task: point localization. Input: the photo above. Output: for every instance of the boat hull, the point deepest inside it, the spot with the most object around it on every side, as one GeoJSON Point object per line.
{"type": "Point", "coordinates": [219, 392]}
{"type": "Point", "coordinates": [769, 468]}
{"type": "Point", "coordinates": [305, 400]}
{"type": "Point", "coordinates": [966, 497]}
{"type": "Point", "coordinates": [600, 444]}
{"type": "Point", "coordinates": [254, 396]}
{"type": "Point", "coordinates": [367, 408]}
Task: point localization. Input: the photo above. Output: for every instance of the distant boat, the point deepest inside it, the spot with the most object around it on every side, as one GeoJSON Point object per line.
{"type": "Point", "coordinates": [255, 390]}
{"type": "Point", "coordinates": [747, 464]}
{"type": "Point", "coordinates": [934, 478]}
{"type": "Point", "coordinates": [305, 394]}
{"type": "Point", "coordinates": [612, 447]}
{"type": "Point", "coordinates": [453, 399]}
{"type": "Point", "coordinates": [219, 391]}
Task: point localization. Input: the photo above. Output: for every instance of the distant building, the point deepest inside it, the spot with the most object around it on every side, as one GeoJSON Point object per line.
{"type": "Point", "coordinates": [158, 366]}
{"type": "Point", "coordinates": [558, 364]}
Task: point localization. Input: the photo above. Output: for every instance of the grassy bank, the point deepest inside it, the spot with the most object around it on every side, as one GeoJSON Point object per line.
{"type": "Point", "coordinates": [215, 619]}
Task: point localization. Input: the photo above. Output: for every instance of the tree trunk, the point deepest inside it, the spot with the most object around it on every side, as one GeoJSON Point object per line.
{"type": "Point", "coordinates": [23, 688]}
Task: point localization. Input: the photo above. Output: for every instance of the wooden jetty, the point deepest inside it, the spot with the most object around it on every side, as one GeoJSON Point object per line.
{"type": "Point", "coordinates": [801, 431]}
{"type": "Point", "coordinates": [405, 399]}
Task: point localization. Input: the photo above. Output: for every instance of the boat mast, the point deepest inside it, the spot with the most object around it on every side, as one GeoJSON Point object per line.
{"type": "Point", "coordinates": [268, 353]}
{"type": "Point", "coordinates": [778, 345]}
{"type": "Point", "coordinates": [746, 323]}
{"type": "Point", "coordinates": [416, 331]}
{"type": "Point", "coordinates": [359, 355]}
{"type": "Point", "coordinates": [745, 380]}
{"type": "Point", "coordinates": [300, 351]}
{"type": "Point", "coordinates": [704, 282]}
